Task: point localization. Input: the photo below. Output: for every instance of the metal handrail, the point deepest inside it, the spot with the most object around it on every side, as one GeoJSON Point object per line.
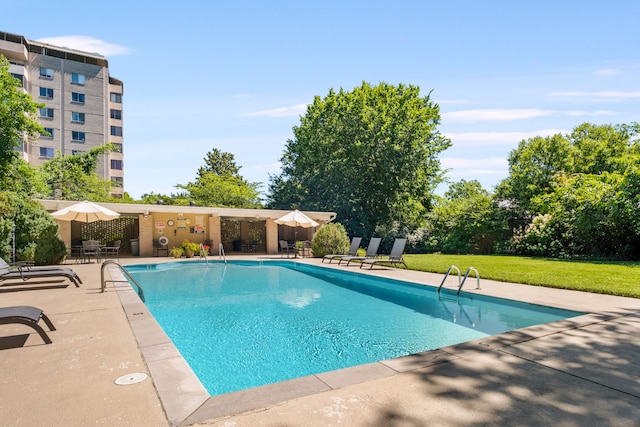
{"type": "Point", "coordinates": [203, 254]}
{"type": "Point", "coordinates": [221, 253]}
{"type": "Point", "coordinates": [469, 270]}
{"type": "Point", "coordinates": [126, 274]}
{"type": "Point", "coordinates": [447, 275]}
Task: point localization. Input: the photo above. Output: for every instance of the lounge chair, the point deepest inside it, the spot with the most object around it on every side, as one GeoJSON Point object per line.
{"type": "Point", "coordinates": [37, 273]}
{"type": "Point", "coordinates": [395, 257]}
{"type": "Point", "coordinates": [27, 315]}
{"type": "Point", "coordinates": [353, 250]}
{"type": "Point", "coordinates": [372, 252]}
{"type": "Point", "coordinates": [27, 266]}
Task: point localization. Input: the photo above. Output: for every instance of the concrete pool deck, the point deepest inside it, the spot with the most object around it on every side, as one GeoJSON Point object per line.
{"type": "Point", "coordinates": [580, 371]}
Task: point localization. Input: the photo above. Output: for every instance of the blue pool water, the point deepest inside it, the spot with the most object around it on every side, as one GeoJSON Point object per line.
{"type": "Point", "coordinates": [253, 323]}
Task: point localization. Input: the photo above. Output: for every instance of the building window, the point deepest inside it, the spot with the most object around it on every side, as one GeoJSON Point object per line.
{"type": "Point", "coordinates": [77, 117]}
{"type": "Point", "coordinates": [48, 133]}
{"type": "Point", "coordinates": [77, 79]}
{"type": "Point", "coordinates": [117, 148]}
{"type": "Point", "coordinates": [116, 130]}
{"type": "Point", "coordinates": [46, 113]}
{"type": "Point", "coordinates": [117, 181]}
{"type": "Point", "coordinates": [116, 164]}
{"type": "Point", "coordinates": [47, 152]}
{"type": "Point", "coordinates": [77, 136]}
{"type": "Point", "coordinates": [77, 98]}
{"type": "Point", "coordinates": [46, 92]}
{"type": "Point", "coordinates": [46, 73]}
{"type": "Point", "coordinates": [116, 97]}
{"type": "Point", "coordinates": [116, 114]}
{"type": "Point", "coordinates": [19, 77]}
{"type": "Point", "coordinates": [76, 152]}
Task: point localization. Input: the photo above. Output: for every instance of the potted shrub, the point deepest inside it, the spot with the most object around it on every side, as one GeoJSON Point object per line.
{"type": "Point", "coordinates": [177, 252]}
{"type": "Point", "coordinates": [190, 248]}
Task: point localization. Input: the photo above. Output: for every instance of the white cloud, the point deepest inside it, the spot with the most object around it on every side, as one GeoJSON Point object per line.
{"type": "Point", "coordinates": [271, 167]}
{"type": "Point", "coordinates": [496, 115]}
{"type": "Point", "coordinates": [295, 110]}
{"type": "Point", "coordinates": [607, 72]}
{"type": "Point", "coordinates": [596, 96]}
{"type": "Point", "coordinates": [472, 167]}
{"type": "Point", "coordinates": [490, 168]}
{"type": "Point", "coordinates": [505, 115]}
{"type": "Point", "coordinates": [453, 101]}
{"type": "Point", "coordinates": [497, 138]}
{"type": "Point", "coordinates": [87, 44]}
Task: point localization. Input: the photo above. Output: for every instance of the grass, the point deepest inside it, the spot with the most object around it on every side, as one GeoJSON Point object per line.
{"type": "Point", "coordinates": [604, 277]}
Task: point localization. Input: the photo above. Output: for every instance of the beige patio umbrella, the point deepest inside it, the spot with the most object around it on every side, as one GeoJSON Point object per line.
{"type": "Point", "coordinates": [296, 219]}
{"type": "Point", "coordinates": [85, 212]}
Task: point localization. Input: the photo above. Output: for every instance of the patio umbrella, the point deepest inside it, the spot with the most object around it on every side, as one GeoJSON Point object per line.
{"type": "Point", "coordinates": [296, 219]}
{"type": "Point", "coordinates": [85, 212]}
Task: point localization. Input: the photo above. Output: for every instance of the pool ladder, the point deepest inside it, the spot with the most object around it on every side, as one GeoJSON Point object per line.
{"type": "Point", "coordinates": [124, 272]}
{"type": "Point", "coordinates": [460, 280]}
{"type": "Point", "coordinates": [203, 254]}
{"type": "Point", "coordinates": [221, 253]}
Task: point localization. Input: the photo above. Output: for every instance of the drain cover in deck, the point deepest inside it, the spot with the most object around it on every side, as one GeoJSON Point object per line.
{"type": "Point", "coordinates": [131, 378]}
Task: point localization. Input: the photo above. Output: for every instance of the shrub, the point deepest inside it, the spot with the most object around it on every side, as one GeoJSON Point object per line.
{"type": "Point", "coordinates": [330, 239]}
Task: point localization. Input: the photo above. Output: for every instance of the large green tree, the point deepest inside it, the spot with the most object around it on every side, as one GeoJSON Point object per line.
{"type": "Point", "coordinates": [463, 221]}
{"type": "Point", "coordinates": [75, 178]}
{"type": "Point", "coordinates": [219, 184]}
{"type": "Point", "coordinates": [220, 163]}
{"type": "Point", "coordinates": [370, 155]}
{"type": "Point", "coordinates": [578, 192]}
{"type": "Point", "coordinates": [24, 223]}
{"type": "Point", "coordinates": [17, 117]}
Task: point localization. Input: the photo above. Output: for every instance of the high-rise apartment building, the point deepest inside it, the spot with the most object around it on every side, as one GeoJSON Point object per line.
{"type": "Point", "coordinates": [82, 103]}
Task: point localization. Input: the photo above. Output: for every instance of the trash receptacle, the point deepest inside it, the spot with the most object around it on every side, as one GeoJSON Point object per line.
{"type": "Point", "coordinates": [135, 247]}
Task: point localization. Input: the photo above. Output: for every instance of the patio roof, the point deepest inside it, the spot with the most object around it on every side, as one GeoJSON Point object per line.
{"type": "Point", "coordinates": [226, 213]}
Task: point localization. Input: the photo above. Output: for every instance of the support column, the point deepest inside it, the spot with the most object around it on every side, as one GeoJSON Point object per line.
{"type": "Point", "coordinates": [272, 237]}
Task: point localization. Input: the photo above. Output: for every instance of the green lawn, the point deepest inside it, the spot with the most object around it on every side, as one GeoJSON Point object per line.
{"type": "Point", "coordinates": [615, 278]}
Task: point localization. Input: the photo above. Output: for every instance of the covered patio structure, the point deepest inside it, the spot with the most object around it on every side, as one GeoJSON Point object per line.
{"type": "Point", "coordinates": [142, 225]}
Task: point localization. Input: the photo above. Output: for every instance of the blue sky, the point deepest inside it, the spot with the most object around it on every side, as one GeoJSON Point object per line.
{"type": "Point", "coordinates": [237, 75]}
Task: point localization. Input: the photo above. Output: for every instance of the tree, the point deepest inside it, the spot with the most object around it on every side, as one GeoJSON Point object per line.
{"type": "Point", "coordinates": [74, 177]}
{"type": "Point", "coordinates": [219, 163]}
{"type": "Point", "coordinates": [463, 221]}
{"type": "Point", "coordinates": [211, 189]}
{"type": "Point", "coordinates": [533, 166]}
{"type": "Point", "coordinates": [578, 192]}
{"type": "Point", "coordinates": [17, 117]}
{"type": "Point", "coordinates": [370, 155]}
{"type": "Point", "coordinates": [219, 184]}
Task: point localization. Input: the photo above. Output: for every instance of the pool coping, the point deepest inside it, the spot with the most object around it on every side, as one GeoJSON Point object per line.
{"type": "Point", "coordinates": [187, 402]}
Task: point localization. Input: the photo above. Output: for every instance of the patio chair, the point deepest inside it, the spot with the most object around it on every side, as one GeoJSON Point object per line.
{"type": "Point", "coordinates": [372, 252]}
{"type": "Point", "coordinates": [306, 249]}
{"type": "Point", "coordinates": [353, 250]}
{"type": "Point", "coordinates": [114, 250]}
{"type": "Point", "coordinates": [27, 315]}
{"type": "Point", "coordinates": [395, 257]}
{"type": "Point", "coordinates": [285, 247]}
{"type": "Point", "coordinates": [52, 274]}
{"type": "Point", "coordinates": [91, 248]}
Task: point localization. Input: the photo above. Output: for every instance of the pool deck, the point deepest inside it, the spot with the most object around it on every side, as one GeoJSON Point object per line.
{"type": "Point", "coordinates": [580, 371]}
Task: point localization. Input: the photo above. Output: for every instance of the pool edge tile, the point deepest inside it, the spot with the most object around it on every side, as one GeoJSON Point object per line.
{"type": "Point", "coordinates": [255, 398]}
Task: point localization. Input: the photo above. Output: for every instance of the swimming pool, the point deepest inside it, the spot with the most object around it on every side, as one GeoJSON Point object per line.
{"type": "Point", "coordinates": [251, 323]}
